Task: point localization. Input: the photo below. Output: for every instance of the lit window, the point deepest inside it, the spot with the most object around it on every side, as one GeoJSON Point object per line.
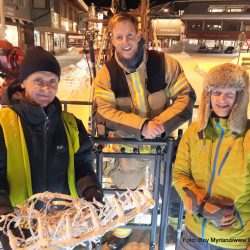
{"type": "Point", "coordinates": [236, 10]}
{"type": "Point", "coordinates": [247, 28]}
{"type": "Point", "coordinates": [216, 10]}
{"type": "Point", "coordinates": [212, 26]}
{"type": "Point", "coordinates": [181, 12]}
{"type": "Point", "coordinates": [194, 25]}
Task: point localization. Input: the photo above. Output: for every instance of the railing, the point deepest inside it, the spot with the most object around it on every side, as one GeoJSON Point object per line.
{"type": "Point", "coordinates": [163, 153]}
{"type": "Point", "coordinates": [167, 180]}
{"type": "Point", "coordinates": [66, 103]}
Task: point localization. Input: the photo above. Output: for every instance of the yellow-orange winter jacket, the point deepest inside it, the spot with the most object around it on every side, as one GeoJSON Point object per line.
{"type": "Point", "coordinates": [218, 163]}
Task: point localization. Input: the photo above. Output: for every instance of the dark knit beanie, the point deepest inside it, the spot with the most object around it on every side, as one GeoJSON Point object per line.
{"type": "Point", "coordinates": [38, 59]}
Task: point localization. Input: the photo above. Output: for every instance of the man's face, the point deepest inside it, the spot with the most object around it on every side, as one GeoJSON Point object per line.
{"type": "Point", "coordinates": [41, 87]}
{"type": "Point", "coordinates": [125, 39]}
{"type": "Point", "coordinates": [222, 101]}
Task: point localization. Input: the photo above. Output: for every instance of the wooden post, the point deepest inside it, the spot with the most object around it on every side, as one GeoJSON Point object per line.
{"type": "Point", "coordinates": [144, 9]}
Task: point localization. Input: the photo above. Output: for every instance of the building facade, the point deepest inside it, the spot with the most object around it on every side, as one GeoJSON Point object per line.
{"type": "Point", "coordinates": [168, 31]}
{"type": "Point", "coordinates": [217, 24]}
{"type": "Point", "coordinates": [166, 24]}
{"type": "Point", "coordinates": [52, 24]}
{"type": "Point", "coordinates": [56, 23]}
{"type": "Point", "coordinates": [17, 22]}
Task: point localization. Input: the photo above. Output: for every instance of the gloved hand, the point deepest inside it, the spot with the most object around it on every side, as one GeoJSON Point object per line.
{"type": "Point", "coordinates": [93, 192]}
{"type": "Point", "coordinates": [217, 209]}
{"type": "Point", "coordinates": [220, 211]}
{"type": "Point", "coordinates": [192, 201]}
{"type": "Point", "coordinates": [16, 233]}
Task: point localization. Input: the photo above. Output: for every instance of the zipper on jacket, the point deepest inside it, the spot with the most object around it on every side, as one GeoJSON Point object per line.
{"type": "Point", "coordinates": [213, 172]}
{"type": "Point", "coordinates": [45, 129]}
{"type": "Point", "coordinates": [224, 159]}
{"type": "Point", "coordinates": [215, 159]}
{"type": "Point", "coordinates": [239, 218]}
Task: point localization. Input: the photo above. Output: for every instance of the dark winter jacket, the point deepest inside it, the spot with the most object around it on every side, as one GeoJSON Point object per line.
{"type": "Point", "coordinates": [47, 147]}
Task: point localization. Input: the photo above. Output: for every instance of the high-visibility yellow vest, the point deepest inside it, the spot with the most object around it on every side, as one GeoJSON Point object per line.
{"type": "Point", "coordinates": [18, 165]}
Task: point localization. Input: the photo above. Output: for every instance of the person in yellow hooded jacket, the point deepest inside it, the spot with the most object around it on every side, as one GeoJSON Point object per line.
{"type": "Point", "coordinates": [212, 167]}
{"type": "Point", "coordinates": [42, 148]}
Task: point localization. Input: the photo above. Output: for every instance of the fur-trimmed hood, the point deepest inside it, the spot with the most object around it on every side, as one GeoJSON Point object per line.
{"type": "Point", "coordinates": [227, 75]}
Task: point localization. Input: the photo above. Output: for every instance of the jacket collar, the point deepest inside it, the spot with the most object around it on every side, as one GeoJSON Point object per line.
{"type": "Point", "coordinates": [126, 69]}
{"type": "Point", "coordinates": [216, 127]}
{"type": "Point", "coordinates": [220, 125]}
{"type": "Point", "coordinates": [36, 115]}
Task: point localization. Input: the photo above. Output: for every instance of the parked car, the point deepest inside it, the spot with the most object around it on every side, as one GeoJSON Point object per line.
{"type": "Point", "coordinates": [230, 50]}
{"type": "Point", "coordinates": [203, 49]}
{"type": "Point", "coordinates": [217, 50]}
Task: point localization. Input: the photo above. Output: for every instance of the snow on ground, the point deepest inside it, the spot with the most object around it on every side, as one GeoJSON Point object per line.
{"type": "Point", "coordinates": [75, 85]}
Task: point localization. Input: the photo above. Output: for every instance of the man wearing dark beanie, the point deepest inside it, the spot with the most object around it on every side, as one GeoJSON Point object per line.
{"type": "Point", "coordinates": [42, 148]}
{"type": "Point", "coordinates": [38, 59]}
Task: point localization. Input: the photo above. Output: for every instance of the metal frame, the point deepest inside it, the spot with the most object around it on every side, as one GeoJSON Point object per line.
{"type": "Point", "coordinates": [66, 103]}
{"type": "Point", "coordinates": [164, 152]}
{"type": "Point", "coordinates": [166, 196]}
{"type": "Point", "coordinates": [168, 156]}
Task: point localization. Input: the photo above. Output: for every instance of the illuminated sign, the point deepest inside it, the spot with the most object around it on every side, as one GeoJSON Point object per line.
{"type": "Point", "coordinates": [167, 27]}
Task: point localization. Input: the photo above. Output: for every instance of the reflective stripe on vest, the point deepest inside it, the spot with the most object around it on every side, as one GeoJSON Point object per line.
{"type": "Point", "coordinates": [18, 165]}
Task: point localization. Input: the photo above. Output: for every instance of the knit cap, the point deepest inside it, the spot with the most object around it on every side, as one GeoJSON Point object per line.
{"type": "Point", "coordinates": [37, 59]}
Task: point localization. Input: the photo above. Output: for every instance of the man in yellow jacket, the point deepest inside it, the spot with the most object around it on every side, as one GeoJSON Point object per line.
{"type": "Point", "coordinates": [138, 94]}
{"type": "Point", "coordinates": [212, 167]}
